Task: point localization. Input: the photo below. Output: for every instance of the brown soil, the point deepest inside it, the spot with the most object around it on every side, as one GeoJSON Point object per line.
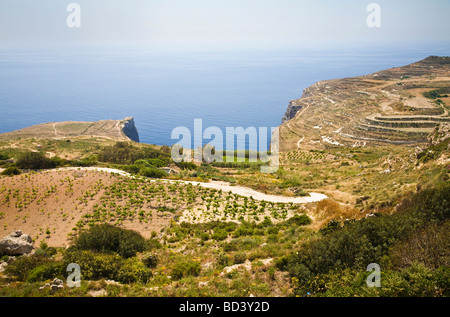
{"type": "Point", "coordinates": [47, 205]}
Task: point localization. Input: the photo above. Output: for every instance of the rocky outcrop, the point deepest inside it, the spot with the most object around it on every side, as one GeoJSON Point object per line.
{"type": "Point", "coordinates": [441, 133]}
{"type": "Point", "coordinates": [16, 243]}
{"type": "Point", "coordinates": [54, 286]}
{"type": "Point", "coordinates": [129, 129]}
{"type": "Point", "coordinates": [294, 107]}
{"type": "Point", "coordinates": [291, 111]}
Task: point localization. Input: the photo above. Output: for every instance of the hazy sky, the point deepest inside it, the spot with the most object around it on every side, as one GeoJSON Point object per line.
{"type": "Point", "coordinates": [223, 23]}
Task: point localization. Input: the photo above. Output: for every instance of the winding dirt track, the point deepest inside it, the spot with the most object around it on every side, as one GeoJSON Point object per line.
{"type": "Point", "coordinates": [239, 190]}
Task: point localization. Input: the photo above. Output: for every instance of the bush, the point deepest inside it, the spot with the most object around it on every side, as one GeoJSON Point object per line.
{"type": "Point", "coordinates": [134, 271]}
{"type": "Point", "coordinates": [152, 172]}
{"type": "Point", "coordinates": [11, 171]}
{"type": "Point", "coordinates": [300, 220]}
{"type": "Point", "coordinates": [370, 240]}
{"type": "Point", "coordinates": [107, 238]}
{"type": "Point", "coordinates": [22, 265]}
{"type": "Point", "coordinates": [85, 162]}
{"type": "Point", "coordinates": [35, 161]}
{"type": "Point", "coordinates": [223, 260]}
{"type": "Point", "coordinates": [126, 154]}
{"type": "Point", "coordinates": [240, 257]}
{"type": "Point", "coordinates": [46, 271]}
{"type": "Point", "coordinates": [142, 163]}
{"type": "Point", "coordinates": [132, 169]}
{"type": "Point", "coordinates": [150, 260]}
{"type": "Point", "coordinates": [186, 165]}
{"type": "Point", "coordinates": [220, 235]}
{"type": "Point", "coordinates": [57, 161]}
{"type": "Point", "coordinates": [430, 246]}
{"type": "Point", "coordinates": [157, 162]}
{"type": "Point", "coordinates": [184, 269]}
{"type": "Point", "coordinates": [94, 266]}
{"type": "Point", "coordinates": [331, 226]}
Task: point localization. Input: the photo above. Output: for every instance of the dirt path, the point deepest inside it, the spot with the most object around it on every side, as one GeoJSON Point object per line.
{"type": "Point", "coordinates": [239, 190]}
{"type": "Point", "coordinates": [54, 128]}
{"type": "Point", "coordinates": [300, 141]}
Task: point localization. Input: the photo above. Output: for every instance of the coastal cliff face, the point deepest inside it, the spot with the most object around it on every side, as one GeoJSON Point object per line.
{"type": "Point", "coordinates": [129, 129]}
{"type": "Point", "coordinates": [400, 106]}
{"type": "Point", "coordinates": [291, 111]}
{"type": "Point", "coordinates": [295, 106]}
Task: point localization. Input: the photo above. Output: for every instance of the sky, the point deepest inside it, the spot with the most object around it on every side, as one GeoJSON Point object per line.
{"type": "Point", "coordinates": [223, 23]}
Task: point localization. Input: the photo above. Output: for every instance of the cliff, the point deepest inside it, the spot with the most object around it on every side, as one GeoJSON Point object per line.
{"type": "Point", "coordinates": [129, 129]}
{"type": "Point", "coordinates": [296, 105]}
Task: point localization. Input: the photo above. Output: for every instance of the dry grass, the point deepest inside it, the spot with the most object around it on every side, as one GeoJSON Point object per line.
{"type": "Point", "coordinates": [329, 209]}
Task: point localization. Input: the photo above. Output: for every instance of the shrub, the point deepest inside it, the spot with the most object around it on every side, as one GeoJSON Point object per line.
{"type": "Point", "coordinates": [273, 230]}
{"type": "Point", "coordinates": [132, 169]}
{"type": "Point", "coordinates": [156, 162]}
{"type": "Point", "coordinates": [331, 226]}
{"type": "Point", "coordinates": [94, 266]}
{"type": "Point", "coordinates": [154, 244]}
{"type": "Point", "coordinates": [219, 235]}
{"type": "Point", "coordinates": [186, 165]}
{"type": "Point", "coordinates": [223, 260]}
{"type": "Point", "coordinates": [34, 160]}
{"type": "Point", "coordinates": [11, 171]}
{"type": "Point", "coordinates": [371, 239]}
{"type": "Point", "coordinates": [430, 246]}
{"type": "Point", "coordinates": [300, 220]}
{"type": "Point", "coordinates": [107, 238]}
{"type": "Point", "coordinates": [437, 93]}
{"type": "Point", "coordinates": [46, 271]}
{"type": "Point", "coordinates": [150, 260]}
{"type": "Point", "coordinates": [267, 222]}
{"type": "Point", "coordinates": [184, 269]}
{"type": "Point", "coordinates": [272, 272]}
{"type": "Point", "coordinates": [126, 153]}
{"type": "Point", "coordinates": [57, 161]}
{"type": "Point", "coordinates": [22, 265]}
{"type": "Point", "coordinates": [133, 271]}
{"type": "Point", "coordinates": [240, 257]}
{"type": "Point", "coordinates": [84, 162]}
{"type": "Point", "coordinates": [152, 172]}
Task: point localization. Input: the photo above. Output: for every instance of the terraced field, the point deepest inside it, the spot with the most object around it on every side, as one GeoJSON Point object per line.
{"type": "Point", "coordinates": [55, 205]}
{"type": "Point", "coordinates": [305, 156]}
{"type": "Point", "coordinates": [397, 106]}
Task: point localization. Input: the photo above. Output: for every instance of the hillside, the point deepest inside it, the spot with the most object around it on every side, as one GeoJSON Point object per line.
{"type": "Point", "coordinates": [396, 106]}
{"type": "Point", "coordinates": [363, 178]}
{"type": "Point", "coordinates": [119, 130]}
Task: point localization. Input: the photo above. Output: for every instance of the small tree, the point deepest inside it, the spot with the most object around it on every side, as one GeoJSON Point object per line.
{"type": "Point", "coordinates": [10, 171]}
{"type": "Point", "coordinates": [35, 161]}
{"type": "Point", "coordinates": [150, 260]}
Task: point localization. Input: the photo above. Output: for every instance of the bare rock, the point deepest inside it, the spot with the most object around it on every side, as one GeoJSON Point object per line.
{"type": "Point", "coordinates": [2, 266]}
{"type": "Point", "coordinates": [441, 133]}
{"type": "Point", "coordinates": [16, 243]}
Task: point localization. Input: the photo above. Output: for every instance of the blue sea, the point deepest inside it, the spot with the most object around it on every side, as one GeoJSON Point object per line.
{"type": "Point", "coordinates": [166, 89]}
